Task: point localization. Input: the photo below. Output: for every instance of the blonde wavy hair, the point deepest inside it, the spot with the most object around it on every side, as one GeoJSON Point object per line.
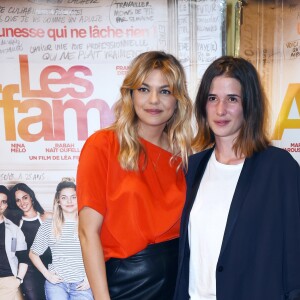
{"type": "Point", "coordinates": [58, 215]}
{"type": "Point", "coordinates": [178, 128]}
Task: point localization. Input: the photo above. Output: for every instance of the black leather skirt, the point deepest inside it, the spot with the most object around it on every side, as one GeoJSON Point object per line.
{"type": "Point", "coordinates": [147, 275]}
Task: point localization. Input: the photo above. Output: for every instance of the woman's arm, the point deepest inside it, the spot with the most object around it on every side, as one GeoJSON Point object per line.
{"type": "Point", "coordinates": [23, 263]}
{"type": "Point", "coordinates": [90, 222]}
{"type": "Point", "coordinates": [52, 277]}
{"type": "Point", "coordinates": [22, 269]}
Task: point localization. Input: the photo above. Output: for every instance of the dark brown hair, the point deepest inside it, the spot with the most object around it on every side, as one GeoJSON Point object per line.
{"type": "Point", "coordinates": [26, 189]}
{"type": "Point", "coordinates": [253, 134]}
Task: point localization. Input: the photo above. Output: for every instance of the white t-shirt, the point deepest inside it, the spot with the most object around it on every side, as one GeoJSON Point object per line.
{"type": "Point", "coordinates": [207, 225]}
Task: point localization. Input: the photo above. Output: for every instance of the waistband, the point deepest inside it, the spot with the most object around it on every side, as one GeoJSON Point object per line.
{"type": "Point", "coordinates": [153, 249]}
{"type": "Point", "coordinates": [159, 247]}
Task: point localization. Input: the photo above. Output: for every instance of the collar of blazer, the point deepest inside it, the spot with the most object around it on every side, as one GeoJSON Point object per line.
{"type": "Point", "coordinates": [239, 196]}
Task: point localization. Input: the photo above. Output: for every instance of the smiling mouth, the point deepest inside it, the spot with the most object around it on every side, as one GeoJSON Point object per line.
{"type": "Point", "coordinates": [153, 111]}
{"type": "Point", "coordinates": [221, 123]}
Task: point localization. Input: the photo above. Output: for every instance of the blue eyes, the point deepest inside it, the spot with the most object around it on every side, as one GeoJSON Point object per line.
{"type": "Point", "coordinates": [146, 90]}
{"type": "Point", "coordinates": [63, 198]}
{"type": "Point", "coordinates": [166, 92]}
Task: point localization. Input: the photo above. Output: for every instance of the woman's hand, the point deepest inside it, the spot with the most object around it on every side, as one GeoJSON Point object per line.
{"type": "Point", "coordinates": [90, 222]}
{"type": "Point", "coordinates": [53, 277]}
{"type": "Point", "coordinates": [84, 285]}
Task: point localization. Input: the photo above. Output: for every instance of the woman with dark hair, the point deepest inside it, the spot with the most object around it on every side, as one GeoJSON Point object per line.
{"type": "Point", "coordinates": [13, 260]}
{"type": "Point", "coordinates": [23, 200]}
{"type": "Point", "coordinates": [240, 227]}
{"type": "Point", "coordinates": [65, 276]}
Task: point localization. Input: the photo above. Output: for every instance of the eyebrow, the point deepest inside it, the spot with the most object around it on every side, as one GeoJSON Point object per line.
{"type": "Point", "coordinates": [162, 86]}
{"type": "Point", "coordinates": [26, 195]}
{"type": "Point", "coordinates": [230, 95]}
{"type": "Point", "coordinates": [234, 95]}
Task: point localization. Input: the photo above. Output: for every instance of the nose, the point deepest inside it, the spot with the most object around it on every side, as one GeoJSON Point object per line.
{"type": "Point", "coordinates": [153, 97]}
{"type": "Point", "coordinates": [69, 199]}
{"type": "Point", "coordinates": [221, 108]}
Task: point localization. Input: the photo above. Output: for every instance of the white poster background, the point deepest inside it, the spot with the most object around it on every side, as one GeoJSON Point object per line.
{"type": "Point", "coordinates": [75, 53]}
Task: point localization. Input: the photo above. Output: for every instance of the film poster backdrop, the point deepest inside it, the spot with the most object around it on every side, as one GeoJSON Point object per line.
{"type": "Point", "coordinates": [270, 39]}
{"type": "Point", "coordinates": [62, 63]}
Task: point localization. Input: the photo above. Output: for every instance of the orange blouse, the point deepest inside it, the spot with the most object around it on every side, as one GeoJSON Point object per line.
{"type": "Point", "coordinates": [139, 208]}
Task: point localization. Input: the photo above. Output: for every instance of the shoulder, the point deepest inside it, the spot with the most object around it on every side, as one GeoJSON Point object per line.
{"type": "Point", "coordinates": [14, 215]}
{"type": "Point", "coordinates": [196, 160]}
{"type": "Point", "coordinates": [103, 135]}
{"type": "Point", "coordinates": [277, 157]}
{"type": "Point", "coordinates": [99, 146]}
{"type": "Point", "coordinates": [101, 140]}
{"type": "Point", "coordinates": [11, 226]}
{"type": "Point", "coordinates": [47, 223]}
{"type": "Point", "coordinates": [276, 151]}
{"type": "Point", "coordinates": [46, 215]}
{"type": "Point", "coordinates": [199, 155]}
{"type": "Point", "coordinates": [10, 223]}
{"type": "Point", "coordinates": [276, 163]}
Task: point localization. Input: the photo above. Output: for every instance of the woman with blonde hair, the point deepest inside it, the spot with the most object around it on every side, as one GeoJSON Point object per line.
{"type": "Point", "coordinates": [131, 184]}
{"type": "Point", "coordinates": [65, 276]}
